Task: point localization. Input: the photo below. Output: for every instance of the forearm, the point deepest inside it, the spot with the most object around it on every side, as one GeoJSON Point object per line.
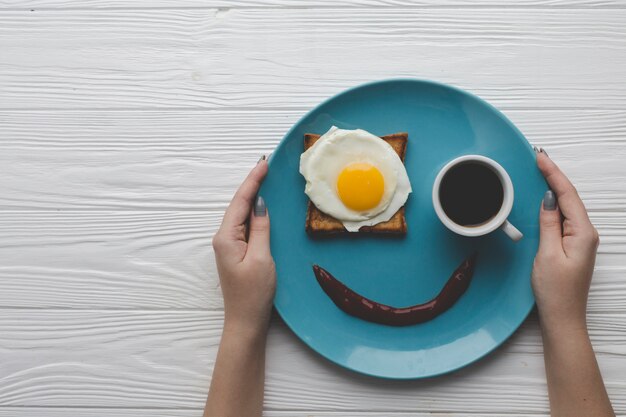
{"type": "Point", "coordinates": [575, 385]}
{"type": "Point", "coordinates": [239, 373]}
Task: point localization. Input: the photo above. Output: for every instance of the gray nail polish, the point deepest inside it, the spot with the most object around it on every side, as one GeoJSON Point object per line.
{"type": "Point", "coordinates": [260, 210]}
{"type": "Point", "coordinates": [261, 159]}
{"type": "Point", "coordinates": [549, 201]}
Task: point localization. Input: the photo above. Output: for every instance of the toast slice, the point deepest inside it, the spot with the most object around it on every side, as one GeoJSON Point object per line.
{"type": "Point", "coordinates": [319, 223]}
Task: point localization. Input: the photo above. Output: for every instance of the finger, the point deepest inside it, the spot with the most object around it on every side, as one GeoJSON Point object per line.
{"type": "Point", "coordinates": [239, 208]}
{"type": "Point", "coordinates": [259, 239]}
{"type": "Point", "coordinates": [570, 203]}
{"type": "Point", "coordinates": [550, 231]}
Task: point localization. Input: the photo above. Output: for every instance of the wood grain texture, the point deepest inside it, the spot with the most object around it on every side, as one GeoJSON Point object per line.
{"type": "Point", "coordinates": [197, 58]}
{"type": "Point", "coordinates": [194, 160]}
{"type": "Point", "coordinates": [163, 260]}
{"type": "Point", "coordinates": [280, 4]}
{"type": "Point", "coordinates": [163, 359]}
{"type": "Point", "coordinates": [86, 260]}
{"type": "Point", "coordinates": [99, 412]}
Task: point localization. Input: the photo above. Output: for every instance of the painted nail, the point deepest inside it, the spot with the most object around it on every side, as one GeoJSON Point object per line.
{"type": "Point", "coordinates": [549, 200]}
{"type": "Point", "coordinates": [544, 151]}
{"type": "Point", "coordinates": [262, 158]}
{"type": "Point", "coordinates": [260, 210]}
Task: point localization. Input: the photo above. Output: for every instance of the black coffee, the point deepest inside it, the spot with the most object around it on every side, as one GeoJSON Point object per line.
{"type": "Point", "coordinates": [471, 194]}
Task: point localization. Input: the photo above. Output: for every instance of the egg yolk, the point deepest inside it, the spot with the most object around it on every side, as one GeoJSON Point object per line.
{"type": "Point", "coordinates": [360, 186]}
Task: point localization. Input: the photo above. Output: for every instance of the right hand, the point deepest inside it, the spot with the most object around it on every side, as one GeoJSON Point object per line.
{"type": "Point", "coordinates": [566, 256]}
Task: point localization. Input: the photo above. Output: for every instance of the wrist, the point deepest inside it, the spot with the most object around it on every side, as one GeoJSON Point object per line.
{"type": "Point", "coordinates": [563, 329]}
{"type": "Point", "coordinates": [246, 329]}
{"type": "Point", "coordinates": [561, 317]}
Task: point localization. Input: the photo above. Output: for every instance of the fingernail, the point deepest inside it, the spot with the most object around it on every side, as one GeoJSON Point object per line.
{"type": "Point", "coordinates": [260, 210]}
{"type": "Point", "coordinates": [536, 149]}
{"type": "Point", "coordinates": [262, 158]}
{"type": "Point", "coordinates": [544, 151]}
{"type": "Point", "coordinates": [549, 200]}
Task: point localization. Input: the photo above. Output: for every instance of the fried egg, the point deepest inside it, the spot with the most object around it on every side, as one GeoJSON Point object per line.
{"type": "Point", "coordinates": [355, 177]}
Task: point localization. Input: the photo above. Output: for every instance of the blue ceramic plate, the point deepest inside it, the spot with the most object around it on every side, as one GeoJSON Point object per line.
{"type": "Point", "coordinates": [443, 122]}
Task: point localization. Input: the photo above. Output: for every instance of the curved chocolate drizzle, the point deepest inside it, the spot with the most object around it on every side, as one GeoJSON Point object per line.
{"type": "Point", "coordinates": [359, 306]}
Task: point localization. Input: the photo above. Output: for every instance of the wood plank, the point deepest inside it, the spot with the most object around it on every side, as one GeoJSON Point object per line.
{"type": "Point", "coordinates": [163, 359]}
{"type": "Point", "coordinates": [87, 260]}
{"type": "Point", "coordinates": [97, 412]}
{"type": "Point", "coordinates": [164, 260]}
{"type": "Point", "coordinates": [331, 4]}
{"type": "Point", "coordinates": [258, 57]}
{"type": "Point", "coordinates": [194, 160]}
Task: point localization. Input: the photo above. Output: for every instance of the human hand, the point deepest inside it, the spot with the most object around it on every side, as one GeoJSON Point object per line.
{"type": "Point", "coordinates": [244, 261]}
{"type": "Point", "coordinates": [567, 251]}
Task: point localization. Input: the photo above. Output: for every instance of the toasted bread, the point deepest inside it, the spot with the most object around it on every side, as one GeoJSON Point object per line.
{"type": "Point", "coordinates": [319, 223]}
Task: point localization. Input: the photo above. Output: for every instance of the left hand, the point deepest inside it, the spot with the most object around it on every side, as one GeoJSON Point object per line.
{"type": "Point", "coordinates": [244, 261]}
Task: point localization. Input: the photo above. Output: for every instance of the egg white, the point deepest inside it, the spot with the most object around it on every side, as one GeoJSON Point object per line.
{"type": "Point", "coordinates": [322, 163]}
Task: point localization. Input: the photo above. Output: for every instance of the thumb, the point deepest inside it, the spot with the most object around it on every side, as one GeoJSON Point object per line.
{"type": "Point", "coordinates": [550, 228]}
{"type": "Point", "coordinates": [259, 238]}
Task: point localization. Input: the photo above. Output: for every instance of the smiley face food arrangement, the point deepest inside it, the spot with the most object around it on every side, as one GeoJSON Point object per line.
{"type": "Point", "coordinates": [357, 183]}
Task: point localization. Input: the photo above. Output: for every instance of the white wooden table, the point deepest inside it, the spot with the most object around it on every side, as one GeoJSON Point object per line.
{"type": "Point", "coordinates": [126, 125]}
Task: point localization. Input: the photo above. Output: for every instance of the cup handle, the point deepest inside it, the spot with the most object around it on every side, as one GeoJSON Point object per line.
{"type": "Point", "coordinates": [511, 231]}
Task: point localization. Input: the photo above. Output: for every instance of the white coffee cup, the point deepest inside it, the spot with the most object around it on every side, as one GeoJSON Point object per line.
{"type": "Point", "coordinates": [499, 220]}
